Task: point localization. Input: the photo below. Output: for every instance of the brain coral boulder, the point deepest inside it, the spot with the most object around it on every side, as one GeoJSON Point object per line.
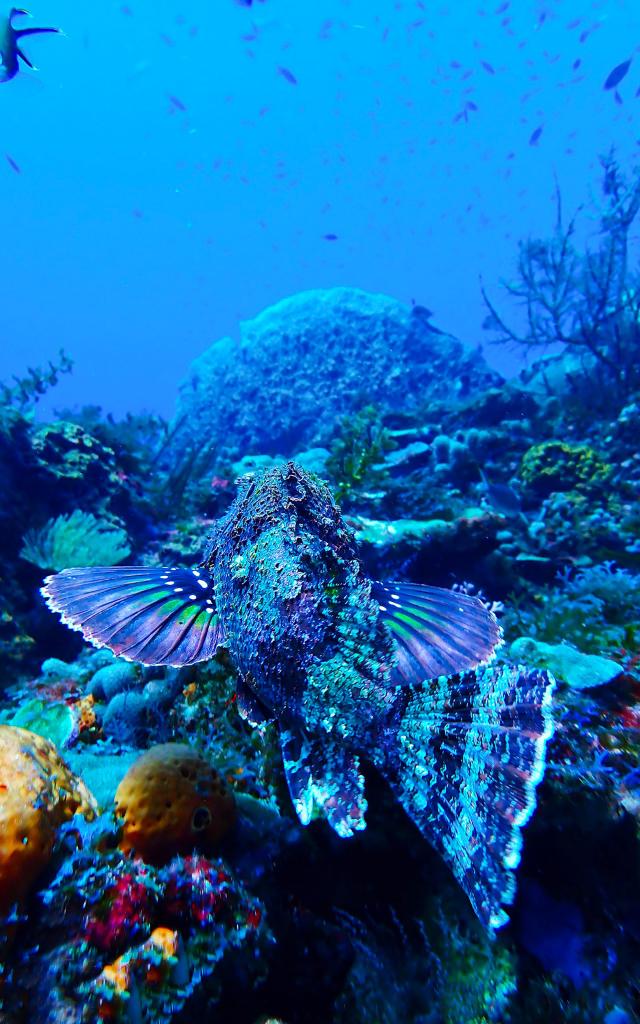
{"type": "Point", "coordinates": [171, 801]}
{"type": "Point", "coordinates": [307, 361]}
{"type": "Point", "coordinates": [38, 792]}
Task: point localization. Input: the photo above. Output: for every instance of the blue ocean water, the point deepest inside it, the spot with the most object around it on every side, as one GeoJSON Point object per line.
{"type": "Point", "coordinates": [173, 183]}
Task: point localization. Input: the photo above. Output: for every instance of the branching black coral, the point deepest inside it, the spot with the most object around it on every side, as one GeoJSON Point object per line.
{"type": "Point", "coordinates": [587, 299]}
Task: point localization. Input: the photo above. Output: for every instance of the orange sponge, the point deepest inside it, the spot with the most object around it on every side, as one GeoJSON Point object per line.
{"type": "Point", "coordinates": [38, 792]}
{"type": "Point", "coordinates": [172, 800]}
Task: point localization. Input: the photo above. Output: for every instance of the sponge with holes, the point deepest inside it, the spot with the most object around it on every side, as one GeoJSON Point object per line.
{"type": "Point", "coordinates": [172, 801]}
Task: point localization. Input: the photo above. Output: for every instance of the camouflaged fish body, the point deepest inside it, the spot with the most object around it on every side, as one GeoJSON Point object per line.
{"type": "Point", "coordinates": [296, 609]}
{"type": "Point", "coordinates": [347, 667]}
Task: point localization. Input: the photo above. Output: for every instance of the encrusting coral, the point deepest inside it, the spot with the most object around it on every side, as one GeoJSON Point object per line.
{"type": "Point", "coordinates": [557, 466]}
{"type": "Point", "coordinates": [70, 453]}
{"type": "Point", "coordinates": [158, 961]}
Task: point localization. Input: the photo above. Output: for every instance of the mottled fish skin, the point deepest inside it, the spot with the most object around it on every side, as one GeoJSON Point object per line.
{"type": "Point", "coordinates": [296, 608]}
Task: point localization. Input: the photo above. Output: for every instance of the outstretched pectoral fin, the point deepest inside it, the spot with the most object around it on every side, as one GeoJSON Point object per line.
{"type": "Point", "coordinates": [324, 780]}
{"type": "Point", "coordinates": [436, 631]}
{"type": "Point", "coordinates": [151, 615]}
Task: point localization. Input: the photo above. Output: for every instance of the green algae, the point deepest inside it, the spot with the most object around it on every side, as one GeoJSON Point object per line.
{"type": "Point", "coordinates": [54, 721]}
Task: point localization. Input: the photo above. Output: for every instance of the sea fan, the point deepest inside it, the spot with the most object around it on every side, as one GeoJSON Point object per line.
{"type": "Point", "coordinates": [75, 539]}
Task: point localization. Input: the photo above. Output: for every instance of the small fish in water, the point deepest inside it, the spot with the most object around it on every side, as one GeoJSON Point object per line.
{"type": "Point", "coordinates": [10, 50]}
{"type": "Point", "coordinates": [502, 497]}
{"type": "Point", "coordinates": [347, 667]}
{"type": "Point", "coordinates": [288, 75]}
{"type": "Point", "coordinates": [615, 77]}
{"type": "Point", "coordinates": [12, 163]}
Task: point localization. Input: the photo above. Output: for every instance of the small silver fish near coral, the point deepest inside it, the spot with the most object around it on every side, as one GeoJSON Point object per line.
{"type": "Point", "coordinates": [350, 669]}
{"type": "Point", "coordinates": [502, 498]}
{"type": "Point", "coordinates": [11, 52]}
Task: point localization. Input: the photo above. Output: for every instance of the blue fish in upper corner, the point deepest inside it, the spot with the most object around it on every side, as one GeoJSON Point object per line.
{"type": "Point", "coordinates": [10, 50]}
{"type": "Point", "coordinates": [348, 668]}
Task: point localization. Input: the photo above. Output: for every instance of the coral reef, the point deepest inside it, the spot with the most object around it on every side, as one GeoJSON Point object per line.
{"type": "Point", "coordinates": [117, 906]}
{"type": "Point", "coordinates": [311, 354]}
{"type": "Point", "coordinates": [137, 940]}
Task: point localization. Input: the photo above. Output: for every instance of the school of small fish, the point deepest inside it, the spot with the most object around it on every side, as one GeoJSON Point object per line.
{"type": "Point", "coordinates": [583, 27]}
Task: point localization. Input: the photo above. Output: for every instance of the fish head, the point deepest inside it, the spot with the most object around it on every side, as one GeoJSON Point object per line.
{"type": "Point", "coordinates": [286, 574]}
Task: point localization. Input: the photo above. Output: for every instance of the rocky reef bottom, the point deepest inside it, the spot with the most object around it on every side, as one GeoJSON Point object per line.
{"type": "Point", "coordinates": [152, 869]}
{"type": "Point", "coordinates": [167, 877]}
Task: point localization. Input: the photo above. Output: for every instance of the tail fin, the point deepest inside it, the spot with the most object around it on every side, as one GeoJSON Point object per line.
{"type": "Point", "coordinates": [464, 756]}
